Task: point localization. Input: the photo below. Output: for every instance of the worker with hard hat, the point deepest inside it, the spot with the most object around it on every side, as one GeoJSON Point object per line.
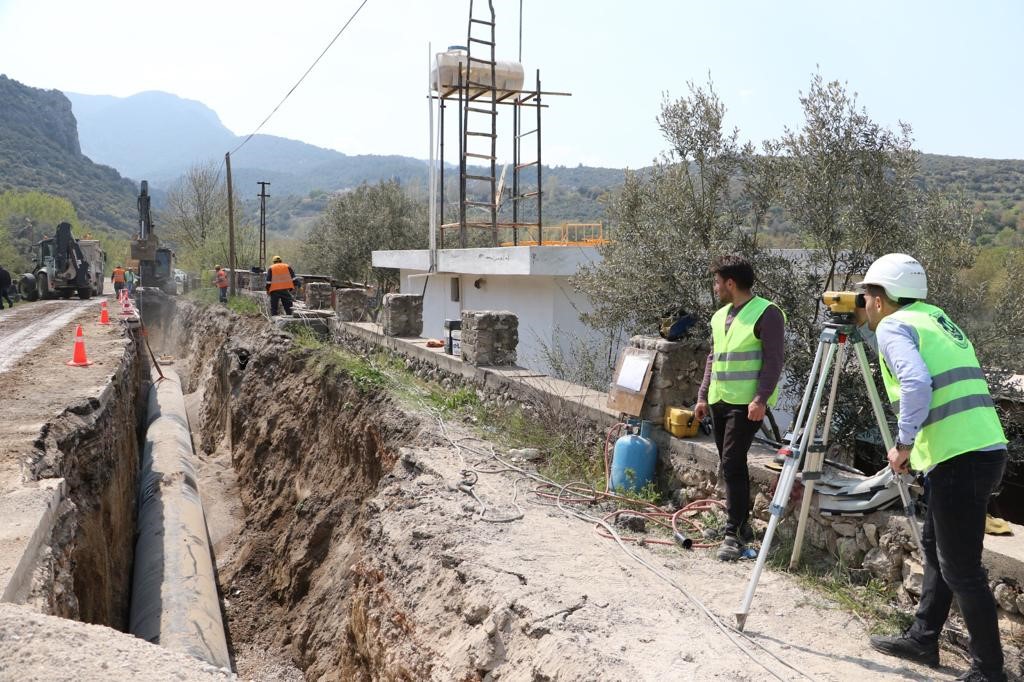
{"type": "Point", "coordinates": [220, 278]}
{"type": "Point", "coordinates": [280, 282]}
{"type": "Point", "coordinates": [948, 430]}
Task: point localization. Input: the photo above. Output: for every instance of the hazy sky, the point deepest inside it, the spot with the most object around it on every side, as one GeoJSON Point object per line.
{"type": "Point", "coordinates": [953, 70]}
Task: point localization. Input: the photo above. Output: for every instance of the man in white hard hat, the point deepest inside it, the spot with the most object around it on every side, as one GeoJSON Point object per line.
{"type": "Point", "coordinates": [950, 431]}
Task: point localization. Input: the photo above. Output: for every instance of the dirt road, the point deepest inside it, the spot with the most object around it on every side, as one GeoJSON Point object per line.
{"type": "Point", "coordinates": [25, 327]}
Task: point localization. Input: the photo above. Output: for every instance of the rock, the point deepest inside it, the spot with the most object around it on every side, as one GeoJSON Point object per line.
{"type": "Point", "coordinates": [633, 522]}
{"type": "Point", "coordinates": [871, 533]}
{"type": "Point", "coordinates": [816, 534]}
{"type": "Point", "coordinates": [1020, 603]}
{"type": "Point", "coordinates": [845, 529]}
{"type": "Point", "coordinates": [913, 576]}
{"type": "Point", "coordinates": [529, 454]}
{"type": "Point", "coordinates": [760, 506]}
{"type": "Point", "coordinates": [1006, 596]}
{"type": "Point", "coordinates": [862, 541]}
{"type": "Point", "coordinates": [882, 565]}
{"type": "Point", "coordinates": [848, 551]}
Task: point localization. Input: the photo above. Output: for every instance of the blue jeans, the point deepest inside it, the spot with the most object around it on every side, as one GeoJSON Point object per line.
{"type": "Point", "coordinates": [223, 294]}
{"type": "Point", "coordinates": [954, 531]}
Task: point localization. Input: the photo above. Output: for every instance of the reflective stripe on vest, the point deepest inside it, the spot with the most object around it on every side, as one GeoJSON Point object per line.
{"type": "Point", "coordinates": [961, 415]}
{"type": "Point", "coordinates": [118, 276]}
{"type": "Point", "coordinates": [280, 278]}
{"type": "Point", "coordinates": [738, 354]}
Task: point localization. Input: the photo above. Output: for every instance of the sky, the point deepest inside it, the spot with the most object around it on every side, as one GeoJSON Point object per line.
{"type": "Point", "coordinates": [952, 70]}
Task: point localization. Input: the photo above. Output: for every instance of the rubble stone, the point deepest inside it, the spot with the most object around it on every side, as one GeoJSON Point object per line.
{"type": "Point", "coordinates": [489, 338]}
{"type": "Point", "coordinates": [871, 533]}
{"type": "Point", "coordinates": [318, 296]}
{"type": "Point", "coordinates": [351, 304]}
{"type": "Point", "coordinates": [403, 315]}
{"type": "Point", "coordinates": [845, 529]}
{"type": "Point", "coordinates": [913, 576]}
{"type": "Point", "coordinates": [849, 553]}
{"type": "Point", "coordinates": [883, 566]}
{"type": "Point", "coordinates": [1006, 597]}
{"type": "Point", "coordinates": [678, 370]}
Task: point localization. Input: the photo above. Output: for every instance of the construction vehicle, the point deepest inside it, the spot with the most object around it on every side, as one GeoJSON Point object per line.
{"type": "Point", "coordinates": [65, 266]}
{"type": "Point", "coordinates": [156, 263]}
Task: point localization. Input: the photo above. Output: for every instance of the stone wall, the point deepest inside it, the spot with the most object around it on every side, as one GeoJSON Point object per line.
{"type": "Point", "coordinates": [350, 304]}
{"type": "Point", "coordinates": [489, 338]}
{"type": "Point", "coordinates": [678, 370]}
{"type": "Point", "coordinates": [318, 296]}
{"type": "Point", "coordinates": [402, 315]}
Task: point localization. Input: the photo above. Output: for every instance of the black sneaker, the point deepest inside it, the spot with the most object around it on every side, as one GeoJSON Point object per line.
{"type": "Point", "coordinates": [730, 549]}
{"type": "Point", "coordinates": [746, 533]}
{"type": "Point", "coordinates": [906, 647]}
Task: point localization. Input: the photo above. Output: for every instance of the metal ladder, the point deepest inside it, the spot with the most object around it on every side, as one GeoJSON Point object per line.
{"type": "Point", "coordinates": [480, 112]}
{"type": "Point", "coordinates": [520, 192]}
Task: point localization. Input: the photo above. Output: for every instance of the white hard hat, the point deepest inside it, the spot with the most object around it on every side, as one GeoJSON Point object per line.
{"type": "Point", "coordinates": [900, 275]}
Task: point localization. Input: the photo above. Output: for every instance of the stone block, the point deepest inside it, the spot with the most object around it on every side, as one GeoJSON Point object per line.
{"type": "Point", "coordinates": [318, 296]}
{"type": "Point", "coordinates": [678, 368]}
{"type": "Point", "coordinates": [844, 528]}
{"type": "Point", "coordinates": [1006, 597]}
{"type": "Point", "coordinates": [883, 566]}
{"type": "Point", "coordinates": [351, 304]}
{"type": "Point", "coordinates": [913, 576]}
{"type": "Point", "coordinates": [871, 533]}
{"type": "Point", "coordinates": [489, 338]}
{"type": "Point", "coordinates": [402, 315]}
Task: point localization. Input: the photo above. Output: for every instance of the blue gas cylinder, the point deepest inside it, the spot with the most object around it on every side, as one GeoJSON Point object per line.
{"type": "Point", "coordinates": [633, 459]}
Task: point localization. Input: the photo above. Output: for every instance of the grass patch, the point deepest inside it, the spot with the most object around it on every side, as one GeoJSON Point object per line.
{"type": "Point", "coordinates": [872, 600]}
{"type": "Point", "coordinates": [246, 306]}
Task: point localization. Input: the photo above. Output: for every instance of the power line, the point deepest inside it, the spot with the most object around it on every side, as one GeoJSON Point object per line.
{"type": "Point", "coordinates": [299, 82]}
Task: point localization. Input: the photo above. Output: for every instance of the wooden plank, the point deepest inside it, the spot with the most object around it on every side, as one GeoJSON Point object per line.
{"type": "Point", "coordinates": [630, 387]}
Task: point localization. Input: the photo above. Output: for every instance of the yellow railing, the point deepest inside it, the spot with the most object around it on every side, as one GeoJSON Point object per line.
{"type": "Point", "coordinates": [566, 234]}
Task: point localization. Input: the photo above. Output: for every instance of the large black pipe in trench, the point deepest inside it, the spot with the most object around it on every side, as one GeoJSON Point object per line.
{"type": "Point", "coordinates": [174, 592]}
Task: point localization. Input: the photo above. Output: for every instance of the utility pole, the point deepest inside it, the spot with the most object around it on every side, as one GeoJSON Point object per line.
{"type": "Point", "coordinates": [263, 222]}
{"type": "Point", "coordinates": [231, 227]}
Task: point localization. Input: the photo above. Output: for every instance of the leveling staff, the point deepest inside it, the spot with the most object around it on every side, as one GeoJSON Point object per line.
{"type": "Point", "coordinates": [740, 380]}
{"type": "Point", "coordinates": [948, 429]}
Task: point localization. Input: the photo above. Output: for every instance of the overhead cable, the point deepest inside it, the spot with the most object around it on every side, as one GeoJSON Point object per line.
{"type": "Point", "coordinates": [299, 82]}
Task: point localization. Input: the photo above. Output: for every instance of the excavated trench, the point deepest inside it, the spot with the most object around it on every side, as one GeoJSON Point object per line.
{"type": "Point", "coordinates": [289, 453]}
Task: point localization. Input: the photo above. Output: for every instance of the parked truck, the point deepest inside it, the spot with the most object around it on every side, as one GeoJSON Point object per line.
{"type": "Point", "coordinates": [65, 266]}
{"type": "Point", "coordinates": [156, 263]}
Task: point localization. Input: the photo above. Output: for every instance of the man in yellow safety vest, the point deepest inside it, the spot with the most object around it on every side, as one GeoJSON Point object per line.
{"type": "Point", "coordinates": [280, 282]}
{"type": "Point", "coordinates": [740, 381]}
{"type": "Point", "coordinates": [950, 431]}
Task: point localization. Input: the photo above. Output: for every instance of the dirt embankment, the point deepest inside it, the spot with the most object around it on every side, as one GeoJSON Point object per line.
{"type": "Point", "coordinates": [359, 558]}
{"type": "Point", "coordinates": [93, 445]}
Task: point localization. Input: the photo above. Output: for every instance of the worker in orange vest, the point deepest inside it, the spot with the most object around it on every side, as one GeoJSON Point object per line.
{"type": "Point", "coordinates": [280, 282]}
{"type": "Point", "coordinates": [221, 280]}
{"type": "Point", "coordinates": [118, 279]}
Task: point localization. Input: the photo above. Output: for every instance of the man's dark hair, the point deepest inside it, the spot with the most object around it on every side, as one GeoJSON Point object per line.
{"type": "Point", "coordinates": [877, 291]}
{"type": "Point", "coordinates": [736, 268]}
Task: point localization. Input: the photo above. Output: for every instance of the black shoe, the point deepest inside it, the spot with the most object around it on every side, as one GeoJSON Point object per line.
{"type": "Point", "coordinates": [904, 646]}
{"type": "Point", "coordinates": [730, 550]}
{"type": "Point", "coordinates": [746, 533]}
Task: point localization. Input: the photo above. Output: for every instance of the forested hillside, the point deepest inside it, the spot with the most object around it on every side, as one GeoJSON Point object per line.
{"type": "Point", "coordinates": [39, 151]}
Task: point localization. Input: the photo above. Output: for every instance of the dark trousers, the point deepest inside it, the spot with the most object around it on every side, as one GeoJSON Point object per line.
{"type": "Point", "coordinates": [117, 288]}
{"type": "Point", "coordinates": [733, 435]}
{"type": "Point", "coordinates": [284, 296]}
{"type": "Point", "coordinates": [5, 292]}
{"type": "Point", "coordinates": [954, 531]}
{"type": "Point", "coordinates": [223, 294]}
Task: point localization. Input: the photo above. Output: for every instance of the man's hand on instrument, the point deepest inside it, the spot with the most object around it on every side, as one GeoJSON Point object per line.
{"type": "Point", "coordinates": [898, 458]}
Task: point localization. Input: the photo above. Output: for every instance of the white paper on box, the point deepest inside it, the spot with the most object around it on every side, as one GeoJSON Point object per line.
{"type": "Point", "coordinates": [631, 376]}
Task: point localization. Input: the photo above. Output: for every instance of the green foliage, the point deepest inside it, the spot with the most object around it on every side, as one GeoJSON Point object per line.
{"type": "Point", "coordinates": [246, 306]}
{"type": "Point", "coordinates": [196, 222]}
{"type": "Point", "coordinates": [369, 218]}
{"type": "Point", "coordinates": [454, 401]}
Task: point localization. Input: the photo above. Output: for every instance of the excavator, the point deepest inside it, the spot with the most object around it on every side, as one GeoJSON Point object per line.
{"type": "Point", "coordinates": [65, 266]}
{"type": "Point", "coordinates": [156, 263]}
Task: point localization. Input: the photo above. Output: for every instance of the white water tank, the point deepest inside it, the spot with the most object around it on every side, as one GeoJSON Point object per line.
{"type": "Point", "coordinates": [445, 73]}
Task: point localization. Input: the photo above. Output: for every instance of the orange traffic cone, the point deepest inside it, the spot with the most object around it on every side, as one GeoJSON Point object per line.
{"type": "Point", "coordinates": [79, 358]}
{"type": "Point", "coordinates": [104, 314]}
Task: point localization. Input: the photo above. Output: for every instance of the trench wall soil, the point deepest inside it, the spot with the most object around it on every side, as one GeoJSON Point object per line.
{"type": "Point", "coordinates": [309, 447]}
{"type": "Point", "coordinates": [85, 573]}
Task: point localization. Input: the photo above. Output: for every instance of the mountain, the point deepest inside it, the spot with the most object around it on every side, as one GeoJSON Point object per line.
{"type": "Point", "coordinates": [39, 150]}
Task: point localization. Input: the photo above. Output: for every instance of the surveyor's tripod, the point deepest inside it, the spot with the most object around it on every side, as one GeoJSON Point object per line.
{"type": "Point", "coordinates": [832, 342]}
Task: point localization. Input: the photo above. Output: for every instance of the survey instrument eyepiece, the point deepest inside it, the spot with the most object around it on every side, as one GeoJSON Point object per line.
{"type": "Point", "coordinates": [842, 302]}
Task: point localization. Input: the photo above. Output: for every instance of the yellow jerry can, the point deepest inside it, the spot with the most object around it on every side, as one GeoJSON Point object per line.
{"type": "Point", "coordinates": [681, 422]}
